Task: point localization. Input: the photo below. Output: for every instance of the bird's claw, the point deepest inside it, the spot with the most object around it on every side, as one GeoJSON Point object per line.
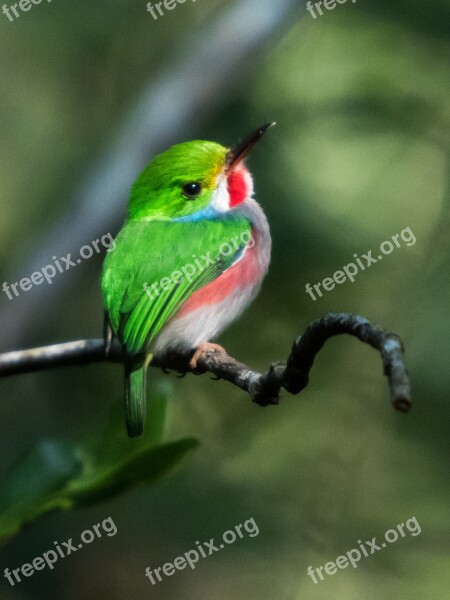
{"type": "Point", "coordinates": [201, 351]}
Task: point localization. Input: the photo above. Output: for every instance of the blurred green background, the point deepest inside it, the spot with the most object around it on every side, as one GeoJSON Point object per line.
{"type": "Point", "coordinates": [361, 152]}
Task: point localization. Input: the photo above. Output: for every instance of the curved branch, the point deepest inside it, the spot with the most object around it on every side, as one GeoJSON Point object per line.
{"type": "Point", "coordinates": [264, 388]}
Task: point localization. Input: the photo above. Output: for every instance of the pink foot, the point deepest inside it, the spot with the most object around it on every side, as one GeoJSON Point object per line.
{"type": "Point", "coordinates": [201, 350]}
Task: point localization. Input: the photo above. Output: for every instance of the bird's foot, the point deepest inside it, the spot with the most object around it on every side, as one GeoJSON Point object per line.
{"type": "Point", "coordinates": [201, 351]}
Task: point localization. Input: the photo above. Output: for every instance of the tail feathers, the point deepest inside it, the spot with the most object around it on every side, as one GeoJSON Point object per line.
{"type": "Point", "coordinates": [135, 398]}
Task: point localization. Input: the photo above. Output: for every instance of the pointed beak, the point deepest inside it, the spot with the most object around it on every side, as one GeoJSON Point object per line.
{"type": "Point", "coordinates": [238, 152]}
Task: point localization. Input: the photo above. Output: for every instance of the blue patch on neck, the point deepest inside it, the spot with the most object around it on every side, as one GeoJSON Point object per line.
{"type": "Point", "coordinates": [205, 213]}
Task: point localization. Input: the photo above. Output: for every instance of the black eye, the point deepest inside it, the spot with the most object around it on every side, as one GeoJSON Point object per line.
{"type": "Point", "coordinates": [192, 189]}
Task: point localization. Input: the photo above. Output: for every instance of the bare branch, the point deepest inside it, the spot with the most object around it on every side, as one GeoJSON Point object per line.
{"type": "Point", "coordinates": [264, 388]}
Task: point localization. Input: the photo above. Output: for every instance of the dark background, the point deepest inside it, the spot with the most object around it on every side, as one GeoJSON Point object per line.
{"type": "Point", "coordinates": [90, 91]}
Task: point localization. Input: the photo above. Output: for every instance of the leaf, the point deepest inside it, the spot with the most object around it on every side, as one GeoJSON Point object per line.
{"type": "Point", "coordinates": [33, 481]}
{"type": "Point", "coordinates": [63, 475]}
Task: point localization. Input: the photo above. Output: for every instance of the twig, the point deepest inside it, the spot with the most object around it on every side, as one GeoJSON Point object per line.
{"type": "Point", "coordinates": [264, 388]}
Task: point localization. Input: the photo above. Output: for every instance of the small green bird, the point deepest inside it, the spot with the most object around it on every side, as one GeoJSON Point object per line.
{"type": "Point", "coordinates": [190, 257]}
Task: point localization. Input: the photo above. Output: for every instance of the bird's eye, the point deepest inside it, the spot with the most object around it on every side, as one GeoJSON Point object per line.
{"type": "Point", "coordinates": [192, 189]}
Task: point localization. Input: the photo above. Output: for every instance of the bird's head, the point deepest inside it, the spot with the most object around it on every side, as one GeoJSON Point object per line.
{"type": "Point", "coordinates": [194, 180]}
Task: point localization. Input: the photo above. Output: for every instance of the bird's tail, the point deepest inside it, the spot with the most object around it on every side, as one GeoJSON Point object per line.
{"type": "Point", "coordinates": [135, 397]}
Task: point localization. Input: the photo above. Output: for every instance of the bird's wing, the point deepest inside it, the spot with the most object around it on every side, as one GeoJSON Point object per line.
{"type": "Point", "coordinates": [179, 257]}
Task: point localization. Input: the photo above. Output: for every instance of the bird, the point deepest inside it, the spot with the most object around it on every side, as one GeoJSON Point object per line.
{"type": "Point", "coordinates": [190, 257]}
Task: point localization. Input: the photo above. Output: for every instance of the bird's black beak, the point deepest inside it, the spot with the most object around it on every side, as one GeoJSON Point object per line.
{"type": "Point", "coordinates": [238, 152]}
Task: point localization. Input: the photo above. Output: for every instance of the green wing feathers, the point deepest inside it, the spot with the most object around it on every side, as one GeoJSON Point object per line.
{"type": "Point", "coordinates": [178, 257]}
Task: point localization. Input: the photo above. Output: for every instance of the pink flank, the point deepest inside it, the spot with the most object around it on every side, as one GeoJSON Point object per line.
{"type": "Point", "coordinates": [246, 272]}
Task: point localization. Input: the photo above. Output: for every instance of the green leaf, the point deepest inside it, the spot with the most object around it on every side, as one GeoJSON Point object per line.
{"type": "Point", "coordinates": [64, 475]}
{"type": "Point", "coordinates": [33, 482]}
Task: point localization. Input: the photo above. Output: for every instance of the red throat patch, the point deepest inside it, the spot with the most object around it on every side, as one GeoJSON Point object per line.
{"type": "Point", "coordinates": [237, 187]}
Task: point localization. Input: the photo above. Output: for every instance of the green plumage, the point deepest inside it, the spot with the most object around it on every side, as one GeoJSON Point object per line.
{"type": "Point", "coordinates": [150, 252]}
{"type": "Point", "coordinates": [152, 249]}
{"type": "Point", "coordinates": [135, 397]}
